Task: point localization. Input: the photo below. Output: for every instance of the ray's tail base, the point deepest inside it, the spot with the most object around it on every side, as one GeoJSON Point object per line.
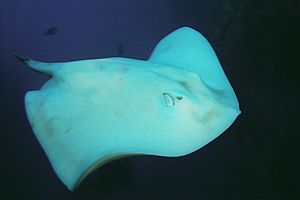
{"type": "Point", "coordinates": [23, 59]}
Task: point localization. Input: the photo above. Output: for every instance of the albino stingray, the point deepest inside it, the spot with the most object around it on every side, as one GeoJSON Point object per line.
{"type": "Point", "coordinates": [94, 111]}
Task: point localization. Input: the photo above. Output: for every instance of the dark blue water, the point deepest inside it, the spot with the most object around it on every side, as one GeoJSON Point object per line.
{"type": "Point", "coordinates": [257, 43]}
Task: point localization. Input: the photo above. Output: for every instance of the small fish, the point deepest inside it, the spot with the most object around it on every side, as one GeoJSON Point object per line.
{"type": "Point", "coordinates": [51, 31]}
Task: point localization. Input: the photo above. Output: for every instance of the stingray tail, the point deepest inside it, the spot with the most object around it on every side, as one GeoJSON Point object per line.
{"type": "Point", "coordinates": [40, 67]}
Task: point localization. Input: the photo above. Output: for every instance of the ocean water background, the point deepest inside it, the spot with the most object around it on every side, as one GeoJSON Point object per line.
{"type": "Point", "coordinates": [257, 43]}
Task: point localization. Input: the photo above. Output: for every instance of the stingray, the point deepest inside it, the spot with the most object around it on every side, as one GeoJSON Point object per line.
{"type": "Point", "coordinates": [93, 111]}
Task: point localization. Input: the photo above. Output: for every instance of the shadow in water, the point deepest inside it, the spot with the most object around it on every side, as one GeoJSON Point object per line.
{"type": "Point", "coordinates": [108, 177]}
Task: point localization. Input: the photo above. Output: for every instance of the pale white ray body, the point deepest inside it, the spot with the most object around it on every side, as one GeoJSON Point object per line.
{"type": "Point", "coordinates": [92, 111]}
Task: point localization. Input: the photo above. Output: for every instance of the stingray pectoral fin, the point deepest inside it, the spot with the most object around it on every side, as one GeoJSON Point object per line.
{"type": "Point", "coordinates": [67, 153]}
{"type": "Point", "coordinates": [188, 49]}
